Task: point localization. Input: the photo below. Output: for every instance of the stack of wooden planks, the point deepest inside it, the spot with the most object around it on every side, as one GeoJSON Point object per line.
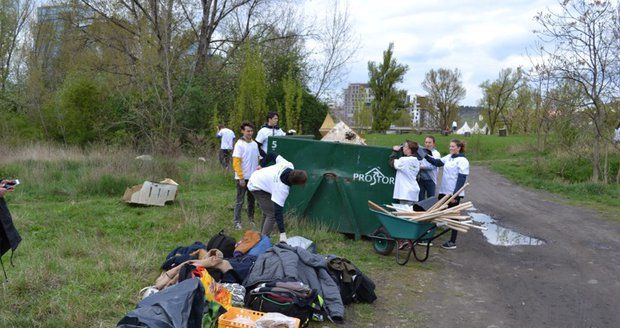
{"type": "Point", "coordinates": [439, 213]}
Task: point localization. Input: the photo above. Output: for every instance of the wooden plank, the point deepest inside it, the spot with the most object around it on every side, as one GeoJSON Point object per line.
{"type": "Point", "coordinates": [439, 203]}
{"type": "Point", "coordinates": [378, 208]}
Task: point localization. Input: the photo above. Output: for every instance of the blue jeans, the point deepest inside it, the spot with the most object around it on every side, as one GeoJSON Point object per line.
{"type": "Point", "coordinates": [427, 189]}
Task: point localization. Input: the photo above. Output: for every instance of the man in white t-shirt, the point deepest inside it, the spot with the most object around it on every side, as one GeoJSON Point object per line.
{"type": "Point", "coordinates": [271, 129]}
{"type": "Point", "coordinates": [227, 137]}
{"type": "Point", "coordinates": [270, 186]}
{"type": "Point", "coordinates": [245, 163]}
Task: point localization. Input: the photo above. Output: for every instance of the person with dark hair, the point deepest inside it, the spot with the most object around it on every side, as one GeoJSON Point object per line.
{"type": "Point", "coordinates": [406, 187]}
{"type": "Point", "coordinates": [270, 186]}
{"type": "Point", "coordinates": [245, 163]}
{"type": "Point", "coordinates": [427, 179]}
{"type": "Point", "coordinates": [227, 137]}
{"type": "Point", "coordinates": [270, 129]}
{"type": "Point", "coordinates": [455, 172]}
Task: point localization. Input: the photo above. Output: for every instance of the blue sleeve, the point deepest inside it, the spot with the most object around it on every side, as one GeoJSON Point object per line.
{"type": "Point", "coordinates": [460, 182]}
{"type": "Point", "coordinates": [434, 161]}
{"type": "Point", "coordinates": [279, 213]}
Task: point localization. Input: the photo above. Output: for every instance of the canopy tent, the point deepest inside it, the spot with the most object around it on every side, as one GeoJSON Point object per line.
{"type": "Point", "coordinates": [327, 125]}
{"type": "Point", "coordinates": [464, 129]}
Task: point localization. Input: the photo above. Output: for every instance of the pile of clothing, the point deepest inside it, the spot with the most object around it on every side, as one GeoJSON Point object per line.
{"type": "Point", "coordinates": [201, 282]}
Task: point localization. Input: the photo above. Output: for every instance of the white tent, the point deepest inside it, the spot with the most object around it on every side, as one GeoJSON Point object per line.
{"type": "Point", "coordinates": [476, 129]}
{"type": "Point", "coordinates": [464, 129]}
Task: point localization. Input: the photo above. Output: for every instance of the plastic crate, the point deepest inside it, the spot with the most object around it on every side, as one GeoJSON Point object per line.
{"type": "Point", "coordinates": [226, 319]}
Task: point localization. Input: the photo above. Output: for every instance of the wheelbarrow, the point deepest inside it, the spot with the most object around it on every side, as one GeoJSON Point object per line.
{"type": "Point", "coordinates": [403, 234]}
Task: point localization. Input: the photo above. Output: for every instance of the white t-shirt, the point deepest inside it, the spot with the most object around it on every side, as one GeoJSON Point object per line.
{"type": "Point", "coordinates": [264, 133]}
{"type": "Point", "coordinates": [268, 180]}
{"type": "Point", "coordinates": [248, 152]}
{"type": "Point", "coordinates": [451, 169]}
{"type": "Point", "coordinates": [435, 170]}
{"type": "Point", "coordinates": [227, 138]}
{"type": "Point", "coordinates": [406, 186]}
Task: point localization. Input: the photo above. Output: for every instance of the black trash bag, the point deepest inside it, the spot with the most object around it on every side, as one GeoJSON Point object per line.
{"type": "Point", "coordinates": [425, 204]}
{"type": "Point", "coordinates": [178, 306]}
{"type": "Point", "coordinates": [9, 237]}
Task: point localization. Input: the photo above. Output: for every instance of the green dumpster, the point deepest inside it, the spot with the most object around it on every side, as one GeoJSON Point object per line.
{"type": "Point", "coordinates": [341, 180]}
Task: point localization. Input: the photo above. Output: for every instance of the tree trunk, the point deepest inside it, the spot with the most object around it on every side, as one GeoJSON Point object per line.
{"type": "Point", "coordinates": [606, 166]}
{"type": "Point", "coordinates": [596, 159]}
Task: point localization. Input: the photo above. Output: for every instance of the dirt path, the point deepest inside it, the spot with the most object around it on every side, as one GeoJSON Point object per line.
{"type": "Point", "coordinates": [572, 281]}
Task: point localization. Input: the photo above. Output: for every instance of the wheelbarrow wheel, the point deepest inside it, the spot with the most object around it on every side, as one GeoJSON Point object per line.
{"type": "Point", "coordinates": [383, 246]}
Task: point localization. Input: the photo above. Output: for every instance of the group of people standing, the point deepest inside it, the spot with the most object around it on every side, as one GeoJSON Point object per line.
{"type": "Point", "coordinates": [417, 170]}
{"type": "Point", "coordinates": [267, 185]}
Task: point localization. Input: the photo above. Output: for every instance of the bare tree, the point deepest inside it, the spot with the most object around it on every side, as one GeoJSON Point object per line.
{"type": "Point", "coordinates": [580, 43]}
{"type": "Point", "coordinates": [445, 90]}
{"type": "Point", "coordinates": [498, 96]}
{"type": "Point", "coordinates": [13, 17]}
{"type": "Point", "coordinates": [338, 44]}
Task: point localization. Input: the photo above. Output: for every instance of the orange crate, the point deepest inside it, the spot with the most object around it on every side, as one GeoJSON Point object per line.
{"type": "Point", "coordinates": [226, 319]}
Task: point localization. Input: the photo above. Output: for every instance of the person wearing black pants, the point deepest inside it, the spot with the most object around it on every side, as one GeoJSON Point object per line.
{"type": "Point", "coordinates": [455, 172]}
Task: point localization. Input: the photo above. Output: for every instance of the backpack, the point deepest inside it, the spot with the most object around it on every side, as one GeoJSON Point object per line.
{"type": "Point", "coordinates": [224, 243]}
{"type": "Point", "coordinates": [182, 254]}
{"type": "Point", "coordinates": [358, 289]}
{"type": "Point", "coordinates": [281, 300]}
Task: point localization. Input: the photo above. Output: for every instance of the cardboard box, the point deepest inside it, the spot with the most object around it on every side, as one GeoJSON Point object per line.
{"type": "Point", "coordinates": [152, 193]}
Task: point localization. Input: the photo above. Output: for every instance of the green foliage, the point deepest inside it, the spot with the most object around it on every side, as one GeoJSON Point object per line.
{"type": "Point", "coordinates": [382, 79]}
{"type": "Point", "coordinates": [251, 102]}
{"type": "Point", "coordinates": [445, 91]}
{"type": "Point", "coordinates": [77, 114]}
{"type": "Point", "coordinates": [313, 113]}
{"type": "Point", "coordinates": [293, 101]}
{"type": "Point", "coordinates": [402, 118]}
{"type": "Point", "coordinates": [499, 98]}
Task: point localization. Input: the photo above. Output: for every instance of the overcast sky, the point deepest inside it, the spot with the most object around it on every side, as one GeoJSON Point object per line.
{"type": "Point", "coordinates": [479, 37]}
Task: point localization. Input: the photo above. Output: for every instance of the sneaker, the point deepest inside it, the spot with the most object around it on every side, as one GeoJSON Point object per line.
{"type": "Point", "coordinates": [238, 226]}
{"type": "Point", "coordinates": [253, 224]}
{"type": "Point", "coordinates": [404, 245]}
{"type": "Point", "coordinates": [449, 245]}
{"type": "Point", "coordinates": [424, 243]}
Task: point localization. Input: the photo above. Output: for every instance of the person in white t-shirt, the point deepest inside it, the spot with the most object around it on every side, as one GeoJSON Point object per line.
{"type": "Point", "coordinates": [455, 173]}
{"type": "Point", "coordinates": [270, 129]}
{"type": "Point", "coordinates": [245, 163]}
{"type": "Point", "coordinates": [227, 138]}
{"type": "Point", "coordinates": [270, 186]}
{"type": "Point", "coordinates": [406, 187]}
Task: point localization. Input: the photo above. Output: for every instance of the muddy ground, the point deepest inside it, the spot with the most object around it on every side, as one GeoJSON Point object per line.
{"type": "Point", "coordinates": [572, 281]}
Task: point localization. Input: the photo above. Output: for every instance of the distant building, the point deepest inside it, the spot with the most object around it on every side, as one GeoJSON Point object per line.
{"type": "Point", "coordinates": [54, 19]}
{"type": "Point", "coordinates": [421, 117]}
{"type": "Point", "coordinates": [355, 96]}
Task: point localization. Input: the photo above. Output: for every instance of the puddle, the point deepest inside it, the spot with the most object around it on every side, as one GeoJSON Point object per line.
{"type": "Point", "coordinates": [500, 236]}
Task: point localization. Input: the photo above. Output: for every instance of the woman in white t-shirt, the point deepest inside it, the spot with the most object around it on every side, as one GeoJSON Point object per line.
{"type": "Point", "coordinates": [406, 187]}
{"type": "Point", "coordinates": [455, 172]}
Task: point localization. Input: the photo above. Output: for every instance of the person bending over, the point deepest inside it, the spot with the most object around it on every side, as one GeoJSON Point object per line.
{"type": "Point", "coordinates": [270, 187]}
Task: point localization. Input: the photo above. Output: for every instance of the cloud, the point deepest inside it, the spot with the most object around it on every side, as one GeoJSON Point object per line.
{"type": "Point", "coordinates": [477, 37]}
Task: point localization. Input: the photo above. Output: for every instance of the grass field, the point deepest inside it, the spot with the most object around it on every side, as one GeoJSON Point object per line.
{"type": "Point", "coordinates": [85, 254]}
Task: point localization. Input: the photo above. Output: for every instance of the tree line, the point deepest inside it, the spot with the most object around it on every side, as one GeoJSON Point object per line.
{"type": "Point", "coordinates": [160, 75]}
